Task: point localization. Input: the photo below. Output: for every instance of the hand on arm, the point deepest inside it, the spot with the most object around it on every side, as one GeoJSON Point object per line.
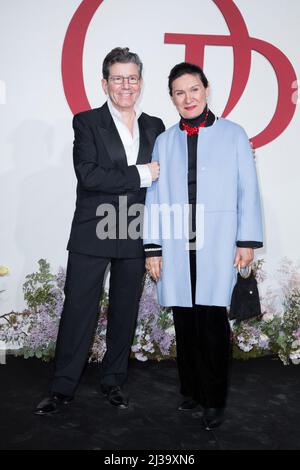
{"type": "Point", "coordinates": [154, 169]}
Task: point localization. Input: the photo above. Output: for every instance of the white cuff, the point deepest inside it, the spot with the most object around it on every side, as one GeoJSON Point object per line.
{"type": "Point", "coordinates": [145, 175]}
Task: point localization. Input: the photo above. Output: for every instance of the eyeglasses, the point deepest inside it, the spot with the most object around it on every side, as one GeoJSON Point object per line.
{"type": "Point", "coordinates": [119, 80]}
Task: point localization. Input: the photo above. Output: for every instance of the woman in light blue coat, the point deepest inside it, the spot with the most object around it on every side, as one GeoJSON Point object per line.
{"type": "Point", "coordinates": [202, 219]}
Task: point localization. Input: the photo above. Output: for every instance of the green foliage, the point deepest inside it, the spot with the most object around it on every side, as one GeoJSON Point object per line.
{"type": "Point", "coordinates": [238, 354]}
{"type": "Point", "coordinates": [38, 285]}
{"type": "Point", "coordinates": [45, 353]}
{"type": "Point", "coordinates": [165, 318]}
{"type": "Point", "coordinates": [104, 299]}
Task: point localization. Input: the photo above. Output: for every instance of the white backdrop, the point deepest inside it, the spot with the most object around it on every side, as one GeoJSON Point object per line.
{"type": "Point", "coordinates": [37, 182]}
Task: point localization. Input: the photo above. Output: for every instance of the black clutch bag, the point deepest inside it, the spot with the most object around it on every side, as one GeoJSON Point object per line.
{"type": "Point", "coordinates": [245, 301]}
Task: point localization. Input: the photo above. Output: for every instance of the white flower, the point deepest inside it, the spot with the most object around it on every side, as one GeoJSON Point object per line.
{"type": "Point", "coordinates": [148, 347]}
{"type": "Point", "coordinates": [268, 317]}
{"type": "Point", "coordinates": [263, 341]}
{"type": "Point", "coordinates": [171, 330]}
{"type": "Point", "coordinates": [245, 347]}
{"type": "Point", "coordinates": [140, 357]}
{"type": "Point", "coordinates": [295, 357]}
{"type": "Point", "coordinates": [136, 347]}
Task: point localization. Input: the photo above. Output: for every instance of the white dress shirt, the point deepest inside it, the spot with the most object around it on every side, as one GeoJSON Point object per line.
{"type": "Point", "coordinates": [131, 142]}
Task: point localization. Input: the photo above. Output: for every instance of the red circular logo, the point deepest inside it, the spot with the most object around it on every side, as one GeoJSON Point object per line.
{"type": "Point", "coordinates": [239, 40]}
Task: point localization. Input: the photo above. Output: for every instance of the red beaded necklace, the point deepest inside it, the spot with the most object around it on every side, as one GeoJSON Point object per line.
{"type": "Point", "coordinates": [194, 130]}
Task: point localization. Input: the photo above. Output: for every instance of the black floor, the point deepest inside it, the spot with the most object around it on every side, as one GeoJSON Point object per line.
{"type": "Point", "coordinates": [263, 410]}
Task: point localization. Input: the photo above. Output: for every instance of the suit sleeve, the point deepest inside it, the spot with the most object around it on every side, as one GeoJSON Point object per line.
{"type": "Point", "coordinates": [162, 127]}
{"type": "Point", "coordinates": [90, 175]}
{"type": "Point", "coordinates": [152, 250]}
{"type": "Point", "coordinates": [249, 230]}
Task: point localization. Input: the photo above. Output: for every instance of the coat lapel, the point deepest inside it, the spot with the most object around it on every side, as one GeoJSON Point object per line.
{"type": "Point", "coordinates": [113, 143]}
{"type": "Point", "coordinates": [111, 139]}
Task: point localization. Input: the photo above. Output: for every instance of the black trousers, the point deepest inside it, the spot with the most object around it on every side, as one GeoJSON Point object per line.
{"type": "Point", "coordinates": [203, 349]}
{"type": "Point", "coordinates": [84, 281]}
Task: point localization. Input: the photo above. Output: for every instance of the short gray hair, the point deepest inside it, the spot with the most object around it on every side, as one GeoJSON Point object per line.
{"type": "Point", "coordinates": [120, 55]}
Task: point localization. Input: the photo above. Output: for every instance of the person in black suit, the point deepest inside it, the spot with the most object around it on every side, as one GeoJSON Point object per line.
{"type": "Point", "coordinates": [112, 155]}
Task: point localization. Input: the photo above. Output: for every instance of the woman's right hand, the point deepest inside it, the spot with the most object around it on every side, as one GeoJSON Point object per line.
{"type": "Point", "coordinates": [154, 267]}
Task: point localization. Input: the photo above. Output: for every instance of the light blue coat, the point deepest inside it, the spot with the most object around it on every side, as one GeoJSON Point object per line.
{"type": "Point", "coordinates": [228, 191]}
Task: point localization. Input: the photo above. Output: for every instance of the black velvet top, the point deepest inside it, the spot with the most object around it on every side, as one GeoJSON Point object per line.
{"type": "Point", "coordinates": [192, 161]}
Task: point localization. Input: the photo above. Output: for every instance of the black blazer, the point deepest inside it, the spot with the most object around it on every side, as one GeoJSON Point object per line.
{"type": "Point", "coordinates": [103, 175]}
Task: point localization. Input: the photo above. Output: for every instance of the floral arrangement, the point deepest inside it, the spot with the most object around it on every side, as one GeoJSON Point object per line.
{"type": "Point", "coordinates": [33, 331]}
{"type": "Point", "coordinates": [154, 334]}
{"type": "Point", "coordinates": [277, 331]}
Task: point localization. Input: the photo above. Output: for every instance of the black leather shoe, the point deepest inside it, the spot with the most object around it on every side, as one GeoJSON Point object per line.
{"type": "Point", "coordinates": [115, 396]}
{"type": "Point", "coordinates": [188, 404]}
{"type": "Point", "coordinates": [50, 404]}
{"type": "Point", "coordinates": [61, 399]}
{"type": "Point", "coordinates": [213, 418]}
